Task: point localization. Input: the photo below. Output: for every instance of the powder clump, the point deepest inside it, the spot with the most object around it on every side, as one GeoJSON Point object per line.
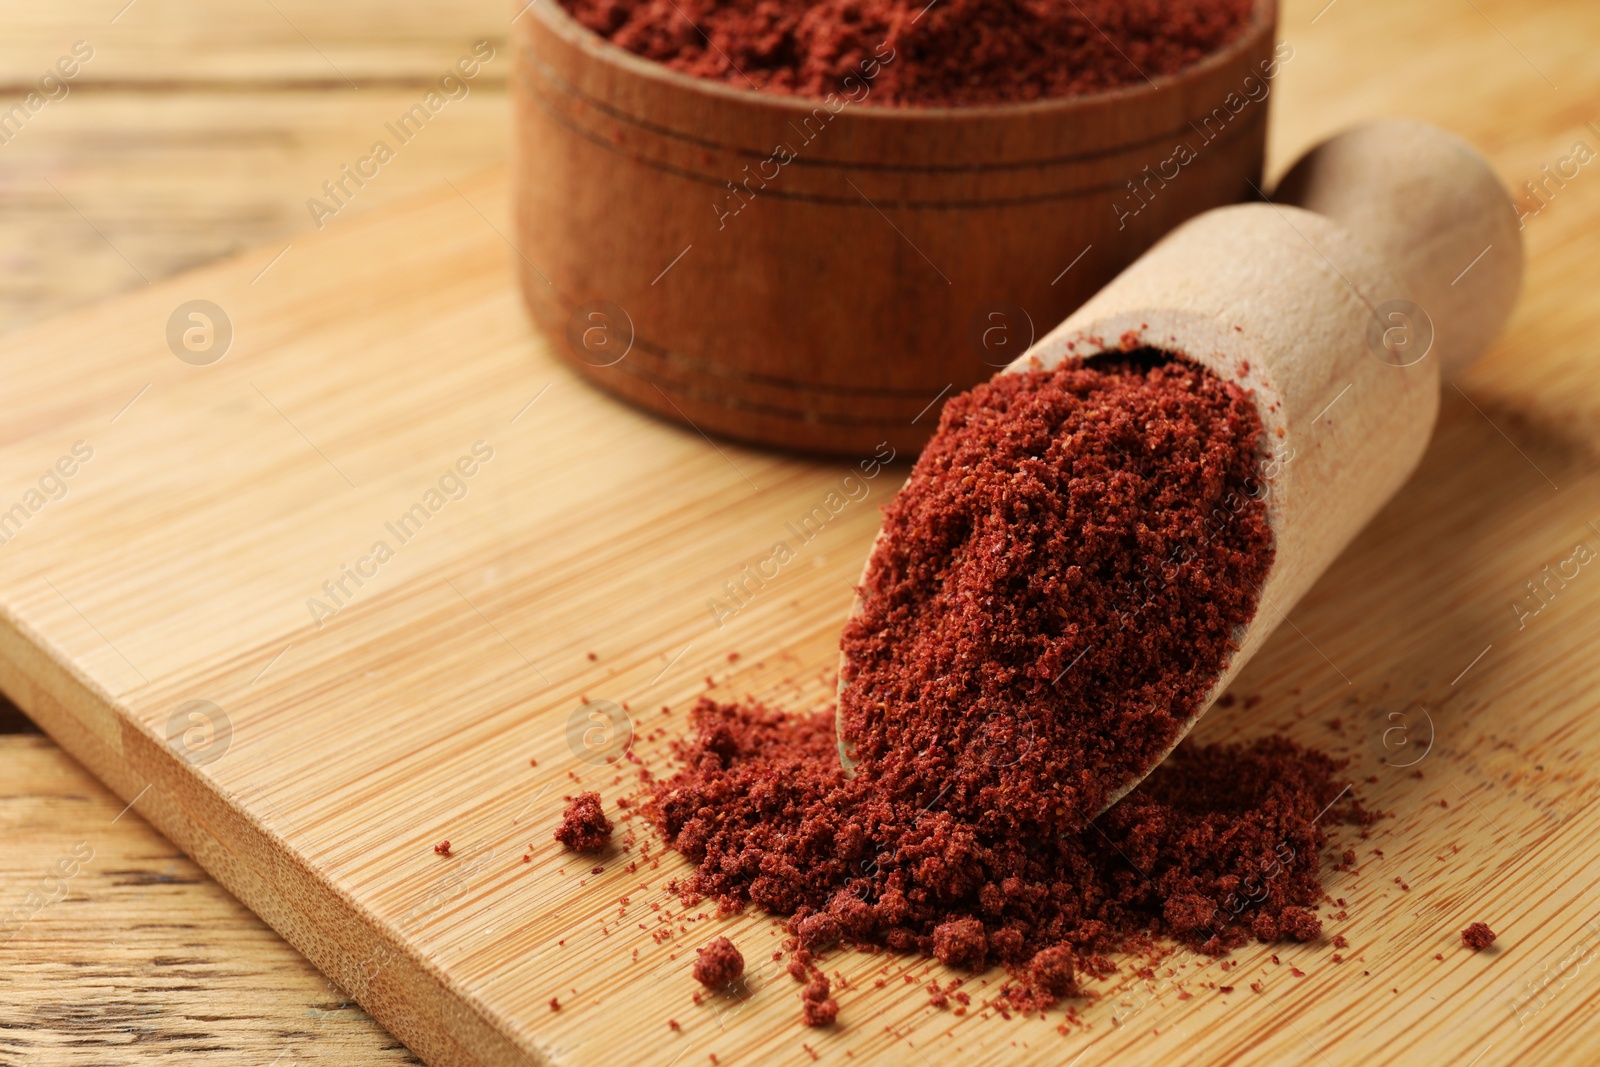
{"type": "Point", "coordinates": [584, 826]}
{"type": "Point", "coordinates": [960, 943]}
{"type": "Point", "coordinates": [1478, 936]}
{"type": "Point", "coordinates": [718, 963]}
{"type": "Point", "coordinates": [816, 1006]}
{"type": "Point", "coordinates": [1050, 973]}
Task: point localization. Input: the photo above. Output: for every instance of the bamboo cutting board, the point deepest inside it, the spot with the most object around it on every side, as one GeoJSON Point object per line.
{"type": "Point", "coordinates": [310, 755]}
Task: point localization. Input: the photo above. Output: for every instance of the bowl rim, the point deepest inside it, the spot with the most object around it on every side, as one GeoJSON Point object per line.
{"type": "Point", "coordinates": [1264, 16]}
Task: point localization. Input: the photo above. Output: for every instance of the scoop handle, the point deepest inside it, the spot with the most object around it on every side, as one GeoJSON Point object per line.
{"type": "Point", "coordinates": [1431, 208]}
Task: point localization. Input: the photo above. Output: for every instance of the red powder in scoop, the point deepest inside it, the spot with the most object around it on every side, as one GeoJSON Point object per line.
{"type": "Point", "coordinates": [1057, 588]}
{"type": "Point", "coordinates": [913, 53]}
{"type": "Point", "coordinates": [584, 826]}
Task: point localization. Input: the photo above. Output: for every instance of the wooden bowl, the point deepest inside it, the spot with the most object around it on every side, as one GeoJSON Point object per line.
{"type": "Point", "coordinates": [815, 275]}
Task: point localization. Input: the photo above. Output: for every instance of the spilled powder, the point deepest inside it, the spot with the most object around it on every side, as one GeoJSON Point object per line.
{"type": "Point", "coordinates": [911, 53]}
{"type": "Point", "coordinates": [584, 826]}
{"type": "Point", "coordinates": [816, 1006]}
{"type": "Point", "coordinates": [1056, 590]}
{"type": "Point", "coordinates": [1221, 844]}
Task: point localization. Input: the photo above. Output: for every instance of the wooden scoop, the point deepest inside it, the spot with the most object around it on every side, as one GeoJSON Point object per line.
{"type": "Point", "coordinates": [1391, 255]}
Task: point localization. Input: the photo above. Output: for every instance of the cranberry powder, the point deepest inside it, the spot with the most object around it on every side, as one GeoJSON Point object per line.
{"type": "Point", "coordinates": [1221, 844]}
{"type": "Point", "coordinates": [913, 53]}
{"type": "Point", "coordinates": [1056, 590]}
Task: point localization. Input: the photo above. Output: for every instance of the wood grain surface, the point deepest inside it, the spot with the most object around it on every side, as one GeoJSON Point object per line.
{"type": "Point", "coordinates": [154, 44]}
{"type": "Point", "coordinates": [129, 953]}
{"type": "Point", "coordinates": [208, 516]}
{"type": "Point", "coordinates": [199, 130]}
{"type": "Point", "coordinates": [196, 131]}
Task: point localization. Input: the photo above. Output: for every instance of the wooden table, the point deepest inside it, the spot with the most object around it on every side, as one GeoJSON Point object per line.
{"type": "Point", "coordinates": [197, 131]}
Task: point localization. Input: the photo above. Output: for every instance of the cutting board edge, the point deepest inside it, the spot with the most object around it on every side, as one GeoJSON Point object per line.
{"type": "Point", "coordinates": [406, 996]}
